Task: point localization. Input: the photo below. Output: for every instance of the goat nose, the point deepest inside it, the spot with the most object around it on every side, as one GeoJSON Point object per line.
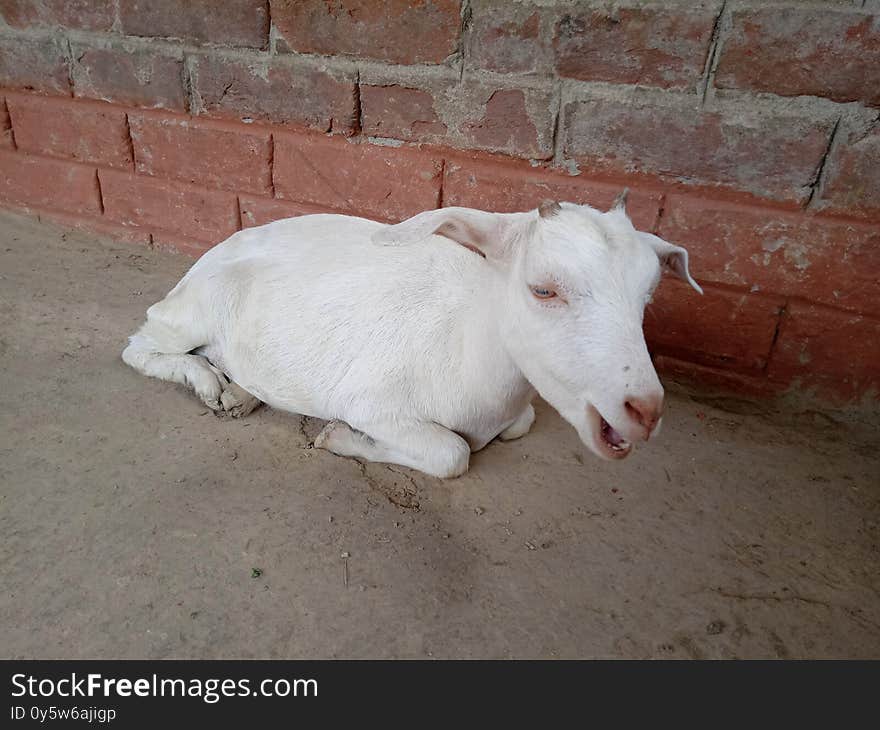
{"type": "Point", "coordinates": [645, 411]}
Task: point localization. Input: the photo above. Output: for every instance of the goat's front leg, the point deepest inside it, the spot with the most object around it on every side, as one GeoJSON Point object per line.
{"type": "Point", "coordinates": [419, 445]}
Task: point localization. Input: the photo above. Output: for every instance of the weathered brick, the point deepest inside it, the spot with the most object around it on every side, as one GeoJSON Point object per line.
{"type": "Point", "coordinates": [37, 64]}
{"type": "Point", "coordinates": [506, 37]}
{"type": "Point", "coordinates": [823, 259]}
{"type": "Point", "coordinates": [834, 354]}
{"type": "Point", "coordinates": [812, 50]}
{"type": "Point", "coordinates": [852, 177]}
{"type": "Point", "coordinates": [773, 154]}
{"type": "Point", "coordinates": [179, 208]}
{"type": "Point", "coordinates": [400, 112]}
{"type": "Point", "coordinates": [96, 226]}
{"type": "Point", "coordinates": [398, 31]}
{"type": "Point", "coordinates": [473, 114]}
{"type": "Point", "coordinates": [129, 75]}
{"type": "Point", "coordinates": [377, 181]}
{"type": "Point", "coordinates": [505, 186]}
{"type": "Point", "coordinates": [506, 126]}
{"type": "Point", "coordinates": [280, 90]}
{"type": "Point", "coordinates": [236, 23]}
{"type": "Point", "coordinates": [80, 130]}
{"type": "Point", "coordinates": [256, 211]}
{"type": "Point", "coordinates": [39, 182]}
{"type": "Point", "coordinates": [215, 154]}
{"type": "Point", "coordinates": [714, 380]}
{"type": "Point", "coordinates": [655, 45]}
{"type": "Point", "coordinates": [175, 243]}
{"type": "Point", "coordinates": [719, 329]}
{"type": "Point", "coordinates": [95, 15]}
{"type": "Point", "coordinates": [6, 139]}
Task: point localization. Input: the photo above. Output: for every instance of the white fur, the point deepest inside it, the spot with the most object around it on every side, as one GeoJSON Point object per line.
{"type": "Point", "coordinates": [419, 350]}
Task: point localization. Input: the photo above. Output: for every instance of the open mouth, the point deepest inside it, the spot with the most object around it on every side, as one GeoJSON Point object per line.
{"type": "Point", "coordinates": [612, 440]}
{"type": "Point", "coordinates": [607, 441]}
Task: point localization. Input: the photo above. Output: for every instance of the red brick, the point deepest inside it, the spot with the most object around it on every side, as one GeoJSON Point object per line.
{"type": "Point", "coordinates": [35, 64]}
{"type": "Point", "coordinates": [175, 243]}
{"type": "Point", "coordinates": [280, 90]}
{"type": "Point", "coordinates": [259, 211]}
{"type": "Point", "coordinates": [400, 112]}
{"type": "Point", "coordinates": [831, 353]}
{"type": "Point", "coordinates": [80, 14]}
{"type": "Point", "coordinates": [236, 23]}
{"type": "Point", "coordinates": [774, 155]}
{"type": "Point", "coordinates": [52, 184]}
{"type": "Point", "coordinates": [852, 180]}
{"type": "Point", "coordinates": [720, 329]}
{"type": "Point", "coordinates": [506, 125]}
{"type": "Point", "coordinates": [397, 31]}
{"type": "Point", "coordinates": [97, 226]}
{"type": "Point", "coordinates": [79, 130]}
{"type": "Point", "coordinates": [506, 186]}
{"type": "Point", "coordinates": [652, 46]}
{"type": "Point", "coordinates": [792, 51]}
{"type": "Point", "coordinates": [714, 380]}
{"type": "Point", "coordinates": [215, 154]}
{"type": "Point", "coordinates": [135, 77]}
{"type": "Point", "coordinates": [506, 37]}
{"type": "Point", "coordinates": [181, 209]}
{"type": "Point", "coordinates": [823, 259]}
{"type": "Point", "coordinates": [383, 182]}
{"type": "Point", "coordinates": [6, 139]}
{"type": "Point", "coordinates": [475, 114]}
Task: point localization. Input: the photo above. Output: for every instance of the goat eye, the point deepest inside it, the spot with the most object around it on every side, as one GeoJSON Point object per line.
{"type": "Point", "coordinates": [541, 292]}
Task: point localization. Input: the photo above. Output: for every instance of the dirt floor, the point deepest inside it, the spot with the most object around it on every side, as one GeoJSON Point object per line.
{"type": "Point", "coordinates": [133, 523]}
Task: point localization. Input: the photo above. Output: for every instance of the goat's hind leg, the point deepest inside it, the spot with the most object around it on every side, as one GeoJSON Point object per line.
{"type": "Point", "coordinates": [192, 371]}
{"type": "Point", "coordinates": [163, 352]}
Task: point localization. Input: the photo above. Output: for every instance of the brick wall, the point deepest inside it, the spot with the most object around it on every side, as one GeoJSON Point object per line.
{"type": "Point", "coordinates": [747, 131]}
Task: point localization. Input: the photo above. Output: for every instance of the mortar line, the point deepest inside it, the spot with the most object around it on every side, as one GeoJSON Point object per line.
{"type": "Point", "coordinates": [130, 143]}
{"type": "Point", "coordinates": [269, 49]}
{"type": "Point", "coordinates": [100, 191]}
{"type": "Point", "coordinates": [272, 163]}
{"type": "Point", "coordinates": [817, 180]}
{"type": "Point", "coordinates": [660, 211]}
{"type": "Point", "coordinates": [772, 349]}
{"type": "Point", "coordinates": [712, 56]}
{"type": "Point", "coordinates": [442, 183]}
{"type": "Point", "coordinates": [69, 59]}
{"type": "Point", "coordinates": [358, 110]}
{"type": "Point", "coordinates": [555, 141]}
{"type": "Point", "coordinates": [466, 17]}
{"type": "Point", "coordinates": [188, 84]}
{"type": "Point", "coordinates": [11, 125]}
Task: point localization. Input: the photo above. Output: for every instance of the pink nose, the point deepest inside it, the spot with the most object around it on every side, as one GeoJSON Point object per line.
{"type": "Point", "coordinates": [646, 411]}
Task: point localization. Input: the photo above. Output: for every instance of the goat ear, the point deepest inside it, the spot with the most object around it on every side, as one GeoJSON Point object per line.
{"type": "Point", "coordinates": [488, 234]}
{"type": "Point", "coordinates": [672, 257]}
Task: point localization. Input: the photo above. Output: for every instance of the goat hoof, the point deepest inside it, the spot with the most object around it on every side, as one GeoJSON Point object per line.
{"type": "Point", "coordinates": [236, 402]}
{"type": "Point", "coordinates": [321, 440]}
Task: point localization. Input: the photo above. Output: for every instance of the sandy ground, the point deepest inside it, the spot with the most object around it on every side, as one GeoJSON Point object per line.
{"type": "Point", "coordinates": [135, 524]}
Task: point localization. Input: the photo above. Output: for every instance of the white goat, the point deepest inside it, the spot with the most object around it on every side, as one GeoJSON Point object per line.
{"type": "Point", "coordinates": [417, 350]}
